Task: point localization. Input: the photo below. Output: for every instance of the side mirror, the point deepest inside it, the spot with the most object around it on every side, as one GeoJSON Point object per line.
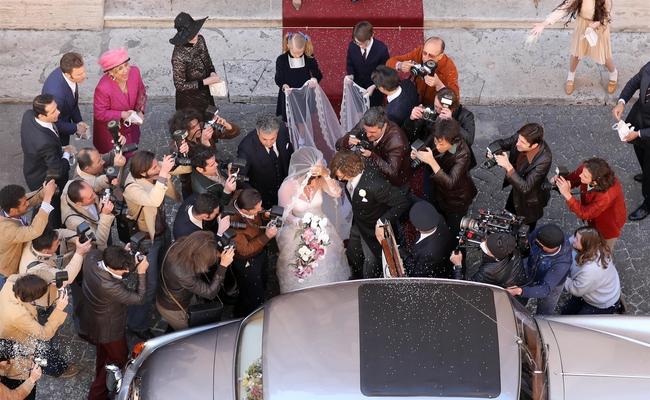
{"type": "Point", "coordinates": [113, 378]}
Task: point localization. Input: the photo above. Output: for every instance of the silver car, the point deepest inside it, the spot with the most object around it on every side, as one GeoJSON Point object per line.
{"type": "Point", "coordinates": [396, 339]}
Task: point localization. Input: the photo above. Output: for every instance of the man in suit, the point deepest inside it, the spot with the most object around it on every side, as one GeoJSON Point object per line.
{"type": "Point", "coordinates": [389, 151]}
{"type": "Point", "coordinates": [374, 201]}
{"type": "Point", "coordinates": [639, 117]}
{"type": "Point", "coordinates": [63, 84]}
{"type": "Point", "coordinates": [365, 54]}
{"type": "Point", "coordinates": [199, 212]}
{"type": "Point", "coordinates": [446, 74]}
{"type": "Point", "coordinates": [401, 96]}
{"type": "Point", "coordinates": [429, 255]}
{"type": "Point", "coordinates": [267, 151]}
{"type": "Point", "coordinates": [206, 177]}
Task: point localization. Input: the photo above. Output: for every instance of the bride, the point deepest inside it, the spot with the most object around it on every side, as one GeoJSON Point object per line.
{"type": "Point", "coordinates": [309, 191]}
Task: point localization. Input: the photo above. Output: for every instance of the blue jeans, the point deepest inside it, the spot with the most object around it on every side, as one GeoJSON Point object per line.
{"type": "Point", "coordinates": [139, 315]}
{"type": "Point", "coordinates": [547, 305]}
{"type": "Point", "coordinates": [3, 279]}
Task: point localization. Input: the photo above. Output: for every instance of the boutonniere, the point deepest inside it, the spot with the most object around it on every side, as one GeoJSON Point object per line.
{"type": "Point", "coordinates": [362, 193]}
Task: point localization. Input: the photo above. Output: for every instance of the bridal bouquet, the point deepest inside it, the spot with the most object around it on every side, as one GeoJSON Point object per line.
{"type": "Point", "coordinates": [252, 381]}
{"type": "Point", "coordinates": [311, 247]}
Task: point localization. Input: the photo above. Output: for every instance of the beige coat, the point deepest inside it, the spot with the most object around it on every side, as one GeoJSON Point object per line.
{"type": "Point", "coordinates": [142, 194]}
{"type": "Point", "coordinates": [47, 267]}
{"type": "Point", "coordinates": [13, 236]}
{"type": "Point", "coordinates": [18, 322]}
{"type": "Point", "coordinates": [98, 183]}
{"type": "Point", "coordinates": [72, 215]}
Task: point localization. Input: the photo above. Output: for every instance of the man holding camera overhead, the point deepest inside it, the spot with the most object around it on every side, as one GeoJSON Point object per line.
{"type": "Point", "coordinates": [431, 55]}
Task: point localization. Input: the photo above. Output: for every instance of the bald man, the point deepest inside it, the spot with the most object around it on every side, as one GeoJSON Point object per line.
{"type": "Point", "coordinates": [446, 73]}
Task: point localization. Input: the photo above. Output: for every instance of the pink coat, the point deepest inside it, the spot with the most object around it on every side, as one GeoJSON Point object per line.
{"type": "Point", "coordinates": [108, 104]}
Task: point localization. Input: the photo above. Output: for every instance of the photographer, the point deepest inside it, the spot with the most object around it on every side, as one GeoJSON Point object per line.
{"type": "Point", "coordinates": [199, 212]}
{"type": "Point", "coordinates": [21, 298]}
{"type": "Point", "coordinates": [206, 177]}
{"type": "Point", "coordinates": [251, 260]}
{"type": "Point", "coordinates": [200, 127]}
{"type": "Point", "coordinates": [454, 188]}
{"type": "Point", "coordinates": [186, 263]}
{"type": "Point", "coordinates": [445, 106]}
{"type": "Point", "coordinates": [79, 204]}
{"type": "Point", "coordinates": [527, 163]}
{"type": "Point", "coordinates": [401, 96]}
{"type": "Point", "coordinates": [41, 255]}
{"type": "Point", "coordinates": [547, 267]}
{"type": "Point", "coordinates": [446, 74]}
{"type": "Point", "coordinates": [103, 310]}
{"type": "Point", "coordinates": [145, 189]}
{"type": "Point", "coordinates": [388, 150]}
{"type": "Point", "coordinates": [14, 230]}
{"type": "Point", "coordinates": [91, 165]}
{"type": "Point", "coordinates": [601, 204]}
{"type": "Point", "coordinates": [11, 389]}
{"type": "Point", "coordinates": [501, 263]}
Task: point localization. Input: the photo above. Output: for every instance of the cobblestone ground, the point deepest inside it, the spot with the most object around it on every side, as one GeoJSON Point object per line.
{"type": "Point", "coordinates": [574, 133]}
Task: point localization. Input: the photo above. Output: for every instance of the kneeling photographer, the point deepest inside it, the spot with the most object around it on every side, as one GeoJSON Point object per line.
{"type": "Point", "coordinates": [81, 209]}
{"type": "Point", "coordinates": [13, 389]}
{"type": "Point", "coordinates": [207, 178]}
{"type": "Point", "coordinates": [251, 259]}
{"type": "Point", "coordinates": [204, 129]}
{"type": "Point", "coordinates": [103, 309]}
{"type": "Point", "coordinates": [453, 188]}
{"type": "Point", "coordinates": [527, 162]}
{"type": "Point", "coordinates": [184, 276]}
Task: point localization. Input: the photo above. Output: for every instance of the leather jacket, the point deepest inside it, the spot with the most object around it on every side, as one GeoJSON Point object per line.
{"type": "Point", "coordinates": [505, 273]}
{"type": "Point", "coordinates": [454, 188]}
{"type": "Point", "coordinates": [420, 128]}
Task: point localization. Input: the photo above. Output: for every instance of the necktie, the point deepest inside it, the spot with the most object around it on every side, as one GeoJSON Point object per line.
{"type": "Point", "coordinates": [363, 53]}
{"type": "Point", "coordinates": [55, 129]}
{"type": "Point", "coordinates": [76, 93]}
{"type": "Point", "coordinates": [276, 164]}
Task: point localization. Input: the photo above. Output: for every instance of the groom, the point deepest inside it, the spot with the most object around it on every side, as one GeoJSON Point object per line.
{"type": "Point", "coordinates": [373, 199]}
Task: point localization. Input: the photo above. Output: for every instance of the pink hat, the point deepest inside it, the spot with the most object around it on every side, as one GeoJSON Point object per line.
{"type": "Point", "coordinates": [112, 58]}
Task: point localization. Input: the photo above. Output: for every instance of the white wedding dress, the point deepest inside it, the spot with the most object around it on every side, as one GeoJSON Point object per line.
{"type": "Point", "coordinates": [333, 267]}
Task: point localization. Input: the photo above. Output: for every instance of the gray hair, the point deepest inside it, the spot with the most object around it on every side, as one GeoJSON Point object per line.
{"type": "Point", "coordinates": [375, 116]}
{"type": "Point", "coordinates": [267, 123]}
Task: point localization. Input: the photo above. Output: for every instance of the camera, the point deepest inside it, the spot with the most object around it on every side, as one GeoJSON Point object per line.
{"type": "Point", "coordinates": [560, 170]}
{"type": "Point", "coordinates": [424, 69]}
{"type": "Point", "coordinates": [473, 231]}
{"type": "Point", "coordinates": [492, 150]}
{"type": "Point", "coordinates": [114, 128]}
{"type": "Point", "coordinates": [140, 246]}
{"type": "Point", "coordinates": [364, 142]}
{"type": "Point", "coordinates": [111, 173]}
{"type": "Point", "coordinates": [429, 114]}
{"type": "Point", "coordinates": [229, 211]}
{"type": "Point", "coordinates": [237, 169]}
{"type": "Point", "coordinates": [276, 213]}
{"type": "Point", "coordinates": [60, 277]}
{"type": "Point", "coordinates": [53, 175]}
{"type": "Point", "coordinates": [85, 233]}
{"type": "Point", "coordinates": [180, 158]}
{"type": "Point", "coordinates": [417, 145]}
{"type": "Point", "coordinates": [211, 118]}
{"type": "Point", "coordinates": [226, 240]}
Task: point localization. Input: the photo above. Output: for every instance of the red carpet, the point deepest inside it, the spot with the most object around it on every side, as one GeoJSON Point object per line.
{"type": "Point", "coordinates": [330, 23]}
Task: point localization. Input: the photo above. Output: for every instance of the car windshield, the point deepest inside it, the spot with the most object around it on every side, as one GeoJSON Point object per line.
{"type": "Point", "coordinates": [249, 357]}
{"type": "Point", "coordinates": [532, 354]}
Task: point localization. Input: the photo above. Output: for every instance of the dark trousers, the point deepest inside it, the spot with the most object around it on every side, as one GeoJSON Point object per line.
{"type": "Point", "coordinates": [116, 353]}
{"type": "Point", "coordinates": [642, 151]}
{"type": "Point", "coordinates": [453, 221]}
{"type": "Point", "coordinates": [13, 384]}
{"type": "Point", "coordinates": [364, 255]}
{"type": "Point", "coordinates": [251, 279]}
{"type": "Point", "coordinates": [577, 306]}
{"type": "Point", "coordinates": [510, 206]}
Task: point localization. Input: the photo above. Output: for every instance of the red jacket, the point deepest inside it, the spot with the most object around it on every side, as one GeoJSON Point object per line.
{"type": "Point", "coordinates": [605, 211]}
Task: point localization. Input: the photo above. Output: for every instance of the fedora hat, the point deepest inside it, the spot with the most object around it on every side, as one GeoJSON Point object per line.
{"type": "Point", "coordinates": [186, 28]}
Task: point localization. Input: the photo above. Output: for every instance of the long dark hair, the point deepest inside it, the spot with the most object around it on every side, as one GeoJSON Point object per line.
{"type": "Point", "coordinates": [573, 9]}
{"type": "Point", "coordinates": [594, 247]}
{"type": "Point", "coordinates": [601, 173]}
{"type": "Point", "coordinates": [198, 251]}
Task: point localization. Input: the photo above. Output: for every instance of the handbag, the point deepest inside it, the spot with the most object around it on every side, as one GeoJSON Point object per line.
{"type": "Point", "coordinates": [219, 89]}
{"type": "Point", "coordinates": [196, 314]}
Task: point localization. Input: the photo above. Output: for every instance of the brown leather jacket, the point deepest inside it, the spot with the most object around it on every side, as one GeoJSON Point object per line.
{"type": "Point", "coordinates": [391, 155]}
{"type": "Point", "coordinates": [454, 188]}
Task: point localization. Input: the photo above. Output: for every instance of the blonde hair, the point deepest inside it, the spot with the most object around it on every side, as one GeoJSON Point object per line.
{"type": "Point", "coordinates": [298, 40]}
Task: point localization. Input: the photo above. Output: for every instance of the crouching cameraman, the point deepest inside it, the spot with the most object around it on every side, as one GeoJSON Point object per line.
{"type": "Point", "coordinates": [103, 309]}
{"type": "Point", "coordinates": [81, 205]}
{"type": "Point", "coordinates": [501, 263]}
{"type": "Point", "coordinates": [188, 260]}
{"type": "Point", "coordinates": [11, 389]}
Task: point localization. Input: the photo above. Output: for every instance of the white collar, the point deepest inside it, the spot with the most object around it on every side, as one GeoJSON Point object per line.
{"type": "Point", "coordinates": [394, 95]}
{"type": "Point", "coordinates": [47, 125]}
{"type": "Point", "coordinates": [274, 147]}
{"type": "Point", "coordinates": [296, 62]}
{"type": "Point", "coordinates": [354, 182]}
{"type": "Point", "coordinates": [103, 266]}
{"type": "Point", "coordinates": [242, 214]}
{"type": "Point", "coordinates": [426, 235]}
{"type": "Point", "coordinates": [73, 86]}
{"type": "Point", "coordinates": [193, 219]}
{"type": "Point", "coordinates": [92, 210]}
{"type": "Point", "coordinates": [367, 48]}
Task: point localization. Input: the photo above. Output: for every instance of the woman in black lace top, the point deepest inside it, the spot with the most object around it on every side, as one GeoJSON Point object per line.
{"type": "Point", "coordinates": [191, 65]}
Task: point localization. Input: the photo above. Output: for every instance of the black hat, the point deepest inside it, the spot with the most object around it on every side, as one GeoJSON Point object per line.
{"type": "Point", "coordinates": [424, 216]}
{"type": "Point", "coordinates": [501, 245]}
{"type": "Point", "coordinates": [187, 28]}
{"type": "Point", "coordinates": [550, 236]}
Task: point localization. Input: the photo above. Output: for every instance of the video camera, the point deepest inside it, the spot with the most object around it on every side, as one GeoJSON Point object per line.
{"type": "Point", "coordinates": [417, 145]}
{"type": "Point", "coordinates": [364, 142]}
{"type": "Point", "coordinates": [473, 231]}
{"type": "Point", "coordinates": [226, 240]}
{"type": "Point", "coordinates": [114, 128]}
{"type": "Point", "coordinates": [85, 233]}
{"type": "Point", "coordinates": [140, 246]}
{"type": "Point", "coordinates": [560, 170]}
{"type": "Point", "coordinates": [492, 150]}
{"type": "Point", "coordinates": [180, 158]}
{"type": "Point", "coordinates": [424, 69]}
{"type": "Point", "coordinates": [211, 119]}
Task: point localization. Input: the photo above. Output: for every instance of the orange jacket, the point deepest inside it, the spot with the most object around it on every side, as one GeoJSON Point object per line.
{"type": "Point", "coordinates": [446, 71]}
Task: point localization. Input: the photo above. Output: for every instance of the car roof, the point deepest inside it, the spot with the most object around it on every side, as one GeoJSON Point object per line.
{"type": "Point", "coordinates": [393, 338]}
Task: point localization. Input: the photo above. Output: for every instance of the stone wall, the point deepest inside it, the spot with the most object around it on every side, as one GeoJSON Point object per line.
{"type": "Point", "coordinates": [52, 14]}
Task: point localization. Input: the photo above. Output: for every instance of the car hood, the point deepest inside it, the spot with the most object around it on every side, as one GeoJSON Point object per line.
{"type": "Point", "coordinates": [603, 357]}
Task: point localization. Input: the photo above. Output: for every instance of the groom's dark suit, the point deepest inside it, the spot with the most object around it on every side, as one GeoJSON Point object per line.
{"type": "Point", "coordinates": [374, 198]}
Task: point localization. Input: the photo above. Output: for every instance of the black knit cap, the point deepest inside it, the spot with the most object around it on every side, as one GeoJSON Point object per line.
{"type": "Point", "coordinates": [550, 236]}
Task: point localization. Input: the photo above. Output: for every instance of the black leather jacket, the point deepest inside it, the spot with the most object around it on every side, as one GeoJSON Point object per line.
{"type": "Point", "coordinates": [505, 273]}
{"type": "Point", "coordinates": [454, 188]}
{"type": "Point", "coordinates": [419, 129]}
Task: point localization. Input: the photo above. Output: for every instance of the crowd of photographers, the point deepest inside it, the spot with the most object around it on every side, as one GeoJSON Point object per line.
{"type": "Point", "coordinates": [421, 142]}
